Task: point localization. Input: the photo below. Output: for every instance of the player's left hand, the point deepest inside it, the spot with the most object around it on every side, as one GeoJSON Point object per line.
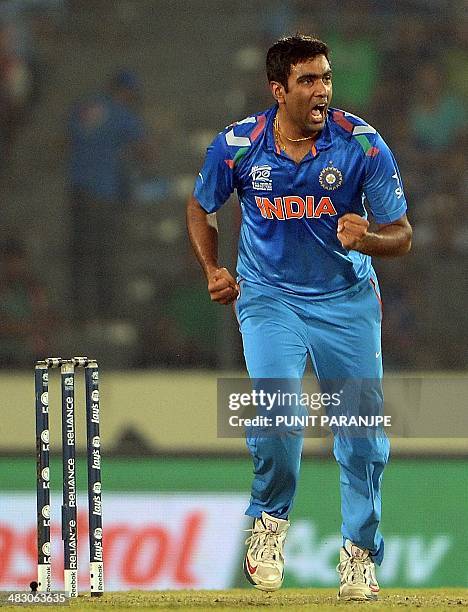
{"type": "Point", "coordinates": [352, 230]}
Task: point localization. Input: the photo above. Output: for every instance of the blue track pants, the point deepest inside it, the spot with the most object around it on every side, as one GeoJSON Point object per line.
{"type": "Point", "coordinates": [341, 334]}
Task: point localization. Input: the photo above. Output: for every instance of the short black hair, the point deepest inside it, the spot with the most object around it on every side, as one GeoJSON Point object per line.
{"type": "Point", "coordinates": [289, 51]}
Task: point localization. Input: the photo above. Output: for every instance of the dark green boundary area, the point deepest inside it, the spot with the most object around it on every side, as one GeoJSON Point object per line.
{"type": "Point", "coordinates": [410, 476]}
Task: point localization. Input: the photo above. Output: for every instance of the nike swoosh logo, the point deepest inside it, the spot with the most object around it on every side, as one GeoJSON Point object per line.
{"type": "Point", "coordinates": [250, 568]}
{"type": "Point", "coordinates": [377, 355]}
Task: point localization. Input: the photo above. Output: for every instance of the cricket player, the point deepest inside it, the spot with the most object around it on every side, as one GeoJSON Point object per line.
{"type": "Point", "coordinates": [305, 285]}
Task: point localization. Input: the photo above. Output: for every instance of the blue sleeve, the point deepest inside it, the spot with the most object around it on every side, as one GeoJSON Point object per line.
{"type": "Point", "coordinates": [215, 181]}
{"type": "Point", "coordinates": [382, 186]}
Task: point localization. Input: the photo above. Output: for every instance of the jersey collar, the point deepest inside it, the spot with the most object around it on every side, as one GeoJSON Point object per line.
{"type": "Point", "coordinates": [324, 141]}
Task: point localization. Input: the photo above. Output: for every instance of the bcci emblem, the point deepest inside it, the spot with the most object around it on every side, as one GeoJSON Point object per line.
{"type": "Point", "coordinates": [331, 178]}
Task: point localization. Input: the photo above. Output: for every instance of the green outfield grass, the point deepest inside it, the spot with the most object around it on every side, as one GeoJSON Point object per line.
{"type": "Point", "coordinates": [286, 599]}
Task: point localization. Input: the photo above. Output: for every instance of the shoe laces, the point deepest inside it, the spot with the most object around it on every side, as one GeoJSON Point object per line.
{"type": "Point", "coordinates": [355, 570]}
{"type": "Point", "coordinates": [266, 545]}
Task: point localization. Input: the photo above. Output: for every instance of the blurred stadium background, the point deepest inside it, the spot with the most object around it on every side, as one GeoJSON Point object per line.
{"type": "Point", "coordinates": [173, 490]}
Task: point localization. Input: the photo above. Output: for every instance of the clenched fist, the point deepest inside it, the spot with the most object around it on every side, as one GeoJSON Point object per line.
{"type": "Point", "coordinates": [222, 287]}
{"type": "Point", "coordinates": [351, 231]}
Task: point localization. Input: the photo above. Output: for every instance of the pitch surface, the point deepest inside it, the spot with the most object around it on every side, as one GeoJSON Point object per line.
{"type": "Point", "coordinates": [293, 600]}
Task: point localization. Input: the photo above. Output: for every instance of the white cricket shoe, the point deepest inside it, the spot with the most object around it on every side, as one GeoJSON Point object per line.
{"type": "Point", "coordinates": [264, 561]}
{"type": "Point", "coordinates": [357, 574]}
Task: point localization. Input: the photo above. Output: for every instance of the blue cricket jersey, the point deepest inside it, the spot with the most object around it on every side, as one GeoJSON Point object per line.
{"type": "Point", "coordinates": [290, 210]}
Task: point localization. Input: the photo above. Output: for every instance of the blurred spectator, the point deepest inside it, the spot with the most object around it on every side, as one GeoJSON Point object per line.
{"type": "Point", "coordinates": [427, 303]}
{"type": "Point", "coordinates": [107, 138]}
{"type": "Point", "coordinates": [17, 88]}
{"type": "Point", "coordinates": [355, 64]}
{"type": "Point", "coordinates": [26, 320]}
{"type": "Point", "coordinates": [441, 230]}
{"type": "Point", "coordinates": [400, 312]}
{"type": "Point", "coordinates": [457, 58]}
{"type": "Point", "coordinates": [437, 115]}
{"type": "Point", "coordinates": [185, 332]}
{"type": "Point", "coordinates": [244, 97]}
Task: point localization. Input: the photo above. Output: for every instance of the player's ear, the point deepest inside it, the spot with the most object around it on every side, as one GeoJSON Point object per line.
{"type": "Point", "coordinates": [277, 90]}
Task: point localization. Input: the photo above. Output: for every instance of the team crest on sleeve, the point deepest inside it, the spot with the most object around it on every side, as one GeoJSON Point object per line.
{"type": "Point", "coordinates": [261, 177]}
{"type": "Point", "coordinates": [331, 178]}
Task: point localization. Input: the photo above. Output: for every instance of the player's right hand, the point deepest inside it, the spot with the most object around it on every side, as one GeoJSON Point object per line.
{"type": "Point", "coordinates": [222, 287]}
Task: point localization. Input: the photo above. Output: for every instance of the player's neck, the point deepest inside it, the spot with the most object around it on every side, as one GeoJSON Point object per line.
{"type": "Point", "coordinates": [292, 133]}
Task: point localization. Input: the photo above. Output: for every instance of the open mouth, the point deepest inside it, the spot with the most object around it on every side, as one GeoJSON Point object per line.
{"type": "Point", "coordinates": [318, 111]}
